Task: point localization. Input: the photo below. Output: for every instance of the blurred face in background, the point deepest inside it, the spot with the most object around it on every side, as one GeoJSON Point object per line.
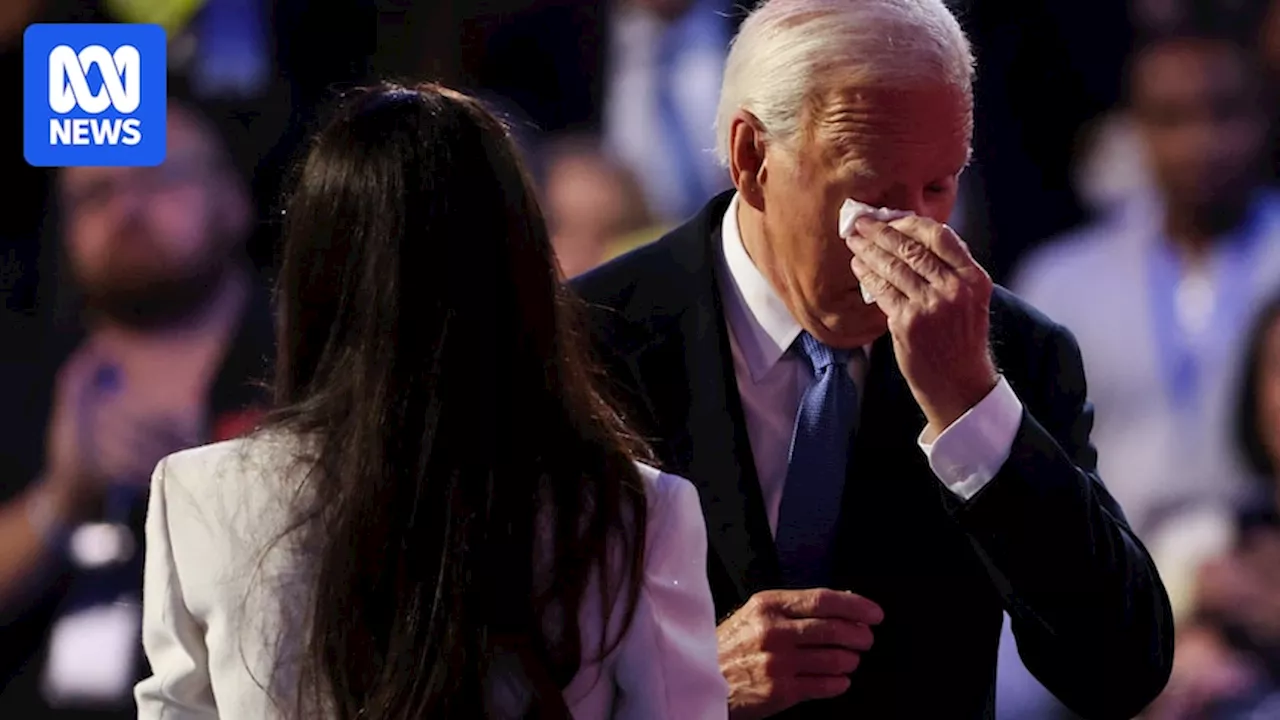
{"type": "Point", "coordinates": [1198, 106]}
{"type": "Point", "coordinates": [148, 244]}
{"type": "Point", "coordinates": [590, 203]}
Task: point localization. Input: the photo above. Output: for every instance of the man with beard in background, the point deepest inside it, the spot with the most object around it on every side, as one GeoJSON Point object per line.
{"type": "Point", "coordinates": [174, 327]}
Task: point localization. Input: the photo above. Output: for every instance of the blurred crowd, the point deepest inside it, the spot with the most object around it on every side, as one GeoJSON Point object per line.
{"type": "Point", "coordinates": [1123, 181]}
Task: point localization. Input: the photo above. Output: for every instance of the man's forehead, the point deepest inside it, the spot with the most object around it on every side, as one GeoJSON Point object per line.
{"type": "Point", "coordinates": [873, 127]}
{"type": "Point", "coordinates": [901, 109]}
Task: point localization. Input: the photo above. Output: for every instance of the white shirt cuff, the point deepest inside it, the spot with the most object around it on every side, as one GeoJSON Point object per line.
{"type": "Point", "coordinates": [972, 450]}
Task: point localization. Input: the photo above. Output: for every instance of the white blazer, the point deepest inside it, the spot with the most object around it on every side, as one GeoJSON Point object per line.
{"type": "Point", "coordinates": [214, 625]}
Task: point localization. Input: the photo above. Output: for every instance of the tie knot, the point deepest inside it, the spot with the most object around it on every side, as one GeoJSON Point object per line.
{"type": "Point", "coordinates": [819, 355]}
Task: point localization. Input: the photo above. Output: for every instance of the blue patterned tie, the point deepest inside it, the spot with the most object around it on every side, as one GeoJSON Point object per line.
{"type": "Point", "coordinates": [816, 467]}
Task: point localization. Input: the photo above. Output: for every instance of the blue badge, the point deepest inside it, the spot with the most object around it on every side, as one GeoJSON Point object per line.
{"type": "Point", "coordinates": [94, 95]}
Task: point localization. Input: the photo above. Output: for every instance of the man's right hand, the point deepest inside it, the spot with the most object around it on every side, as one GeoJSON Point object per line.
{"type": "Point", "coordinates": [788, 646]}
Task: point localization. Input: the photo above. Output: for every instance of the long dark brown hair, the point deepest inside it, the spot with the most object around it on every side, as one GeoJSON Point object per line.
{"type": "Point", "coordinates": [428, 348]}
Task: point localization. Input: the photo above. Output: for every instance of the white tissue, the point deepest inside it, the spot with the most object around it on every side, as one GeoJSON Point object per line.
{"type": "Point", "coordinates": [851, 210]}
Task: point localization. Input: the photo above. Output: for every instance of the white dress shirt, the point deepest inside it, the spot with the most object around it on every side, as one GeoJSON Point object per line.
{"type": "Point", "coordinates": [221, 601]}
{"type": "Point", "coordinates": [771, 382]}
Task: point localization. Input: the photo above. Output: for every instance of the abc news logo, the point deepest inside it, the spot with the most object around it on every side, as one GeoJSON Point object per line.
{"type": "Point", "coordinates": [121, 90]}
{"type": "Point", "coordinates": [94, 94]}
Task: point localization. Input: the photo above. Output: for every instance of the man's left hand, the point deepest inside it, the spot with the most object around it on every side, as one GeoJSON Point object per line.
{"type": "Point", "coordinates": [937, 299]}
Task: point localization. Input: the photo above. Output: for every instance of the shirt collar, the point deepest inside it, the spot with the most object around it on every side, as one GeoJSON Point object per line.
{"type": "Point", "coordinates": [761, 323]}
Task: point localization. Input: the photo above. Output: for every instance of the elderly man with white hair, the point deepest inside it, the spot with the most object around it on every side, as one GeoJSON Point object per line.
{"type": "Point", "coordinates": [890, 451]}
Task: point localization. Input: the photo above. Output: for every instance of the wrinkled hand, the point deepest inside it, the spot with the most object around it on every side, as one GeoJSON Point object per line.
{"type": "Point", "coordinates": [937, 300]}
{"type": "Point", "coordinates": [787, 646]}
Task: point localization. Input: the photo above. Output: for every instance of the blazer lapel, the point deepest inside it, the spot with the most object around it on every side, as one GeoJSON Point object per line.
{"type": "Point", "coordinates": [721, 462]}
{"type": "Point", "coordinates": [705, 429]}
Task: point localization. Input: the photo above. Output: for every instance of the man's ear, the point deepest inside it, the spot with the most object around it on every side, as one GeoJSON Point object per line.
{"type": "Point", "coordinates": [747, 166]}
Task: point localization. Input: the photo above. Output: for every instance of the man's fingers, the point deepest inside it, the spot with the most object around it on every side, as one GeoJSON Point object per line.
{"type": "Point", "coordinates": [881, 291]}
{"type": "Point", "coordinates": [829, 632]}
{"type": "Point", "coordinates": [891, 267]}
{"type": "Point", "coordinates": [826, 661]}
{"type": "Point", "coordinates": [937, 237]}
{"type": "Point", "coordinates": [824, 603]}
{"type": "Point", "coordinates": [820, 687]}
{"type": "Point", "coordinates": [914, 253]}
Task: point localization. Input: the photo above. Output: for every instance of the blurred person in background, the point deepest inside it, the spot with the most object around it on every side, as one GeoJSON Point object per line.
{"type": "Point", "coordinates": [593, 203]}
{"type": "Point", "coordinates": [868, 476]}
{"type": "Point", "coordinates": [176, 329]}
{"type": "Point", "coordinates": [663, 73]}
{"type": "Point", "coordinates": [261, 68]}
{"type": "Point", "coordinates": [1228, 653]}
{"type": "Point", "coordinates": [1163, 353]}
{"type": "Point", "coordinates": [1111, 165]}
{"type": "Point", "coordinates": [443, 519]}
{"type": "Point", "coordinates": [645, 73]}
{"type": "Point", "coordinates": [1160, 293]}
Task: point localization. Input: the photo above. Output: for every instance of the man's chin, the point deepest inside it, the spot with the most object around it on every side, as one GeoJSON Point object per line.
{"type": "Point", "coordinates": [851, 306]}
{"type": "Point", "coordinates": [850, 322]}
{"type": "Point", "coordinates": [154, 305]}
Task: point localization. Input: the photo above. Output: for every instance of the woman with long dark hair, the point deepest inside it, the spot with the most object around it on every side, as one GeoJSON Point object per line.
{"type": "Point", "coordinates": [443, 519]}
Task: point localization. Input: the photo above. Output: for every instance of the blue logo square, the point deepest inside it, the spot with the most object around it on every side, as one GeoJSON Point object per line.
{"type": "Point", "coordinates": [94, 95]}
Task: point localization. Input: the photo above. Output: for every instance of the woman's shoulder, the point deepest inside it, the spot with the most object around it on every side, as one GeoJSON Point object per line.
{"type": "Point", "coordinates": [241, 482]}
{"type": "Point", "coordinates": [232, 465]}
{"type": "Point", "coordinates": [671, 498]}
{"type": "Point", "coordinates": [659, 484]}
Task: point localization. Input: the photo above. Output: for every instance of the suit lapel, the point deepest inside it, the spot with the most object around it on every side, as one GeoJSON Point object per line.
{"type": "Point", "coordinates": [690, 372]}
{"type": "Point", "coordinates": [721, 462]}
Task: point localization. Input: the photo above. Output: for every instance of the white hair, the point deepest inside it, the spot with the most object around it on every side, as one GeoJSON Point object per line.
{"type": "Point", "coordinates": [788, 53]}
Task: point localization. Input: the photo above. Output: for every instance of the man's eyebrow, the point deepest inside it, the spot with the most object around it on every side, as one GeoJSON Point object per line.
{"type": "Point", "coordinates": [856, 168]}
{"type": "Point", "coordinates": [853, 165]}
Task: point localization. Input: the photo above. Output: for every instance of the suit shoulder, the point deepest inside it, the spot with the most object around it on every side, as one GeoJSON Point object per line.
{"type": "Point", "coordinates": [1040, 358]}
{"type": "Point", "coordinates": [617, 281]}
{"type": "Point", "coordinates": [1016, 321]}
